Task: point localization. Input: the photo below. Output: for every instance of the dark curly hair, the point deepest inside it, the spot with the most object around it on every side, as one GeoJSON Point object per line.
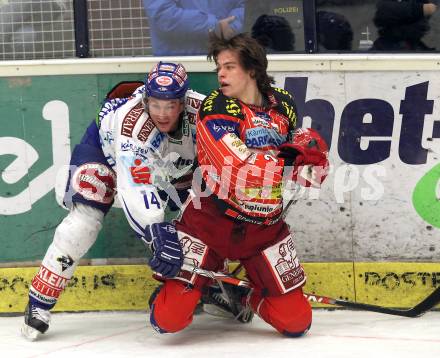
{"type": "Point", "coordinates": [251, 54]}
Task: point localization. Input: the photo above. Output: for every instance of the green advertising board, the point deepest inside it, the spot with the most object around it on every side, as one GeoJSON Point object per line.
{"type": "Point", "coordinates": [43, 118]}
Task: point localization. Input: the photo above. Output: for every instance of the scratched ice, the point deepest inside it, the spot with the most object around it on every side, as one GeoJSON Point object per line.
{"type": "Point", "coordinates": [337, 334]}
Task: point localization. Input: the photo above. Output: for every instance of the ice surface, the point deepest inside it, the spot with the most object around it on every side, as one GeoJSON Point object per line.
{"type": "Point", "coordinates": [338, 334]}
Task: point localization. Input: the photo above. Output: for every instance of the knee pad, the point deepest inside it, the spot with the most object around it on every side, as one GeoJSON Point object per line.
{"type": "Point", "coordinates": [78, 231]}
{"type": "Point", "coordinates": [290, 314]}
{"type": "Point", "coordinates": [173, 308]}
{"type": "Point", "coordinates": [73, 237]}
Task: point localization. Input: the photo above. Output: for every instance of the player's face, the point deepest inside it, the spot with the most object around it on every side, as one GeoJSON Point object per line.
{"type": "Point", "coordinates": [165, 113]}
{"type": "Point", "coordinates": [233, 79]}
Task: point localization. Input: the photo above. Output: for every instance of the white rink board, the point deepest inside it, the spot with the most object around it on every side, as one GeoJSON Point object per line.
{"type": "Point", "coordinates": [335, 334]}
{"type": "Point", "coordinates": [353, 219]}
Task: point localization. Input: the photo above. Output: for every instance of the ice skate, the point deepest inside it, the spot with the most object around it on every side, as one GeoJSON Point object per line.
{"type": "Point", "coordinates": [230, 304]}
{"type": "Point", "coordinates": [36, 322]}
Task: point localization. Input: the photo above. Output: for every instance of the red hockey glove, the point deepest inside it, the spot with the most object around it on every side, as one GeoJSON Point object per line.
{"type": "Point", "coordinates": [308, 155]}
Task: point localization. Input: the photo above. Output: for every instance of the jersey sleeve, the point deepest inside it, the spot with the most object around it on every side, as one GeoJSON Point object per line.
{"type": "Point", "coordinates": [219, 142]}
{"type": "Point", "coordinates": [286, 106]}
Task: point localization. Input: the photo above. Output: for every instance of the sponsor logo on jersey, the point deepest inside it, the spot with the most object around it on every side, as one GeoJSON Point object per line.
{"type": "Point", "coordinates": [139, 151]}
{"type": "Point", "coordinates": [218, 127]}
{"type": "Point", "coordinates": [191, 117]}
{"type": "Point", "coordinates": [232, 107]}
{"type": "Point", "coordinates": [290, 112]}
{"type": "Point", "coordinates": [234, 143]}
{"type": "Point", "coordinates": [181, 162]}
{"type": "Point", "coordinates": [140, 173]}
{"type": "Point", "coordinates": [263, 137]}
{"type": "Point", "coordinates": [264, 116]}
{"type": "Point", "coordinates": [146, 130]}
{"type": "Point", "coordinates": [108, 107]}
{"type": "Point", "coordinates": [267, 192]}
{"type": "Point", "coordinates": [260, 122]}
{"type": "Point", "coordinates": [258, 208]}
{"type": "Point", "coordinates": [131, 119]}
{"type": "Point", "coordinates": [157, 140]}
{"type": "Point", "coordinates": [108, 137]}
{"type": "Point", "coordinates": [209, 101]}
{"type": "Point", "coordinates": [193, 102]}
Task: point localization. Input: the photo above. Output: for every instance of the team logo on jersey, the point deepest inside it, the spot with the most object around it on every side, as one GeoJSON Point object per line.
{"type": "Point", "coordinates": [195, 252]}
{"type": "Point", "coordinates": [284, 264]}
{"type": "Point", "coordinates": [95, 181]}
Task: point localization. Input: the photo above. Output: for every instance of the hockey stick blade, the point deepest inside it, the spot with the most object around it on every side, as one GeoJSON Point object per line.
{"type": "Point", "coordinates": [422, 307]}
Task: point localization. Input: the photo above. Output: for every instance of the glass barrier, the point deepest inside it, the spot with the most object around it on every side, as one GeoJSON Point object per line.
{"type": "Point", "coordinates": [377, 25]}
{"type": "Point", "coordinates": [278, 25]}
{"type": "Point", "coordinates": [118, 28]}
{"type": "Point", "coordinates": [45, 29]}
{"type": "Point", "coordinates": [36, 29]}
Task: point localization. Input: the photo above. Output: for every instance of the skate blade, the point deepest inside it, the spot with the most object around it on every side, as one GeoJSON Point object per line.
{"type": "Point", "coordinates": [214, 310]}
{"type": "Point", "coordinates": [30, 333]}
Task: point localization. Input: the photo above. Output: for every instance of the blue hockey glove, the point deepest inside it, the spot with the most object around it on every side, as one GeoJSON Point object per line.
{"type": "Point", "coordinates": [167, 252]}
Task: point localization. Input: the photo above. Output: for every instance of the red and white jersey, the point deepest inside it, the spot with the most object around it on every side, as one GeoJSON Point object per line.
{"type": "Point", "coordinates": [146, 160]}
{"type": "Point", "coordinates": [237, 147]}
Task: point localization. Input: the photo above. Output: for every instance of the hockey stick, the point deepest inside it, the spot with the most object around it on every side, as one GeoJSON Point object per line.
{"type": "Point", "coordinates": [419, 309]}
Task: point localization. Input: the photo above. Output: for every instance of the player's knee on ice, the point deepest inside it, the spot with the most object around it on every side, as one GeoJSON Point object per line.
{"type": "Point", "coordinates": [290, 314]}
{"type": "Point", "coordinates": [173, 307]}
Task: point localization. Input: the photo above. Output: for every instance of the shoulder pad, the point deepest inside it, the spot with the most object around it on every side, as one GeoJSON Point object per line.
{"type": "Point", "coordinates": [285, 104]}
{"type": "Point", "coordinates": [217, 103]}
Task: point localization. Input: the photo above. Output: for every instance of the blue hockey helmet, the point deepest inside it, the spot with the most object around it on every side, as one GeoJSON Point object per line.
{"type": "Point", "coordinates": [167, 80]}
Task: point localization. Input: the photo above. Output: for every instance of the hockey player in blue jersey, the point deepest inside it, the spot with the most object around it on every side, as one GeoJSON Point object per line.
{"type": "Point", "coordinates": [142, 141]}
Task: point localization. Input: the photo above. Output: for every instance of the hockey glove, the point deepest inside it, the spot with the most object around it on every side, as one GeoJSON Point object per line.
{"type": "Point", "coordinates": [167, 256]}
{"type": "Point", "coordinates": [308, 155]}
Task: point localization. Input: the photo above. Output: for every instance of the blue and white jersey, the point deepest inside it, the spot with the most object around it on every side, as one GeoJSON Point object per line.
{"type": "Point", "coordinates": [146, 160]}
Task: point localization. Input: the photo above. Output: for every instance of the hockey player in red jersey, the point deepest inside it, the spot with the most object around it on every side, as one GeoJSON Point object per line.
{"type": "Point", "coordinates": [247, 148]}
